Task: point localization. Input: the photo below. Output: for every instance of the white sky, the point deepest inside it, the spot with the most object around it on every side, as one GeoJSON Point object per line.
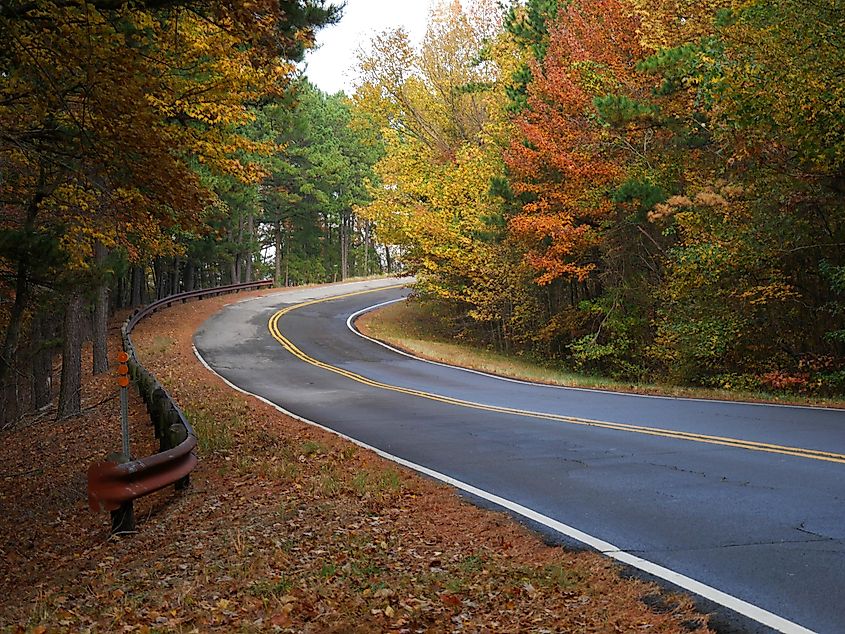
{"type": "Point", "coordinates": [331, 66]}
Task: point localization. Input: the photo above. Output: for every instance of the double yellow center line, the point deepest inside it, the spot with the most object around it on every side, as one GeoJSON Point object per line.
{"type": "Point", "coordinates": [571, 420]}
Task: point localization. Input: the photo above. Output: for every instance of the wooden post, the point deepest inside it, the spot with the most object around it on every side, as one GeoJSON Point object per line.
{"type": "Point", "coordinates": [123, 519]}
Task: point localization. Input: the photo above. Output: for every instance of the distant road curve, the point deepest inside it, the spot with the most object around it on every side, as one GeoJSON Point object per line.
{"type": "Point", "coordinates": [742, 504]}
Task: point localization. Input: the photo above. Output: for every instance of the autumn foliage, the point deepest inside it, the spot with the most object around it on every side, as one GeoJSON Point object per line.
{"type": "Point", "coordinates": [643, 188]}
{"type": "Point", "coordinates": [565, 158]}
{"type": "Point", "coordinates": [666, 199]}
{"type": "Point", "coordinates": [120, 123]}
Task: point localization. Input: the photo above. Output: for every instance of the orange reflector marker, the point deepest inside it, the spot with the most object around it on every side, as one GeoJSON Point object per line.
{"type": "Point", "coordinates": [122, 369]}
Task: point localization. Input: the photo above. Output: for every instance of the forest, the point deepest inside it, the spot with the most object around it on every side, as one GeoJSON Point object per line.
{"type": "Point", "coordinates": [649, 190]}
{"type": "Point", "coordinates": [652, 190]}
{"type": "Point", "coordinates": [154, 147]}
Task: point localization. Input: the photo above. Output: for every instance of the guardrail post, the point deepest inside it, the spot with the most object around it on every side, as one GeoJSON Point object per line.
{"type": "Point", "coordinates": [123, 518]}
{"type": "Point", "coordinates": [170, 425]}
{"type": "Point", "coordinates": [157, 407]}
{"type": "Point", "coordinates": [178, 434]}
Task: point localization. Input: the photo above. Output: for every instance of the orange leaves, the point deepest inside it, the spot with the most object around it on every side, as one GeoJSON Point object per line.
{"type": "Point", "coordinates": [568, 245]}
{"type": "Point", "coordinates": [567, 160]}
{"type": "Point", "coordinates": [262, 547]}
{"type": "Point", "coordinates": [603, 33]}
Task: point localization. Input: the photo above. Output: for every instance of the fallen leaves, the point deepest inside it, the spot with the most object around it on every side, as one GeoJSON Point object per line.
{"type": "Point", "coordinates": [450, 599]}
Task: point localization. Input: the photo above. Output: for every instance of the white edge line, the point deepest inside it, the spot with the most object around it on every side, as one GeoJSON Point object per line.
{"type": "Point", "coordinates": [355, 315]}
{"type": "Point", "coordinates": [682, 581]}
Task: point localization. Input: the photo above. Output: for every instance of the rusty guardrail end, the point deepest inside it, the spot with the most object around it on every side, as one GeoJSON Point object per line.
{"type": "Point", "coordinates": [98, 487]}
{"type": "Point", "coordinates": [111, 484]}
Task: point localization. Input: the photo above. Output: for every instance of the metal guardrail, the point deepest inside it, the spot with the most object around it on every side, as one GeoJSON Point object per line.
{"type": "Point", "coordinates": [114, 484]}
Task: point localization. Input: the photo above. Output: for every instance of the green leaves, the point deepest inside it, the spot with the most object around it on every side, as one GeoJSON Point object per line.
{"type": "Point", "coordinates": [528, 24]}
{"type": "Point", "coordinates": [620, 110]}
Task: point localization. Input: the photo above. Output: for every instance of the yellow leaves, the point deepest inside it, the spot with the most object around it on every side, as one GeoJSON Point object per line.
{"type": "Point", "coordinates": [668, 23]}
{"type": "Point", "coordinates": [782, 86]}
{"type": "Point", "coordinates": [438, 94]}
{"type": "Point", "coordinates": [130, 101]}
{"type": "Point", "coordinates": [434, 211]}
{"type": "Point", "coordinates": [427, 205]}
{"type": "Point", "coordinates": [763, 294]}
{"type": "Point", "coordinates": [444, 122]}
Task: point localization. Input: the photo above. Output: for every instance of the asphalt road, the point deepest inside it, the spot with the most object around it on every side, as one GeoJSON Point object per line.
{"type": "Point", "coordinates": [747, 499]}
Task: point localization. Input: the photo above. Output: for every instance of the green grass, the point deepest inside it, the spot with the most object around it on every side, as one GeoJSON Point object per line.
{"type": "Point", "coordinates": [215, 432]}
{"type": "Point", "coordinates": [159, 345]}
{"type": "Point", "coordinates": [414, 328]}
{"type": "Point", "coordinates": [270, 588]}
{"type": "Point", "coordinates": [310, 448]}
{"type": "Point", "coordinates": [379, 482]}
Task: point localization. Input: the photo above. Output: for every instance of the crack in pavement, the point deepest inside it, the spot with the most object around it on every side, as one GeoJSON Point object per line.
{"type": "Point", "coordinates": [801, 528]}
{"type": "Point", "coordinates": [779, 542]}
{"type": "Point", "coordinates": [675, 468]}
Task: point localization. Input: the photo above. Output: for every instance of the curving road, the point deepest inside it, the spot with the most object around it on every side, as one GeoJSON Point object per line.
{"type": "Point", "coordinates": [741, 504]}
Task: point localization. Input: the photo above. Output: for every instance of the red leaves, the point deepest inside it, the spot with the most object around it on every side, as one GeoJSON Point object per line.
{"type": "Point", "coordinates": [566, 160]}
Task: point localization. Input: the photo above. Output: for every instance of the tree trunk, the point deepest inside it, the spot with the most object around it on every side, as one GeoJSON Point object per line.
{"type": "Point", "coordinates": [174, 276]}
{"type": "Point", "coordinates": [344, 246]}
{"type": "Point", "coordinates": [188, 280]}
{"type": "Point", "coordinates": [8, 383]}
{"type": "Point", "coordinates": [327, 249]}
{"type": "Point", "coordinates": [159, 277]}
{"type": "Point", "coordinates": [70, 399]}
{"type": "Point", "coordinates": [146, 291]}
{"type": "Point", "coordinates": [135, 293]}
{"type": "Point", "coordinates": [117, 296]}
{"type": "Point", "coordinates": [42, 362]}
{"type": "Point", "coordinates": [156, 270]}
{"type": "Point", "coordinates": [387, 258]}
{"type": "Point", "coordinates": [277, 234]}
{"type": "Point", "coordinates": [9, 400]}
{"type": "Point", "coordinates": [165, 277]}
{"type": "Point", "coordinates": [101, 314]}
{"type": "Point", "coordinates": [233, 270]}
{"type": "Point", "coordinates": [250, 229]}
{"type": "Point", "coordinates": [13, 329]}
{"type": "Point", "coordinates": [287, 255]}
{"type": "Point", "coordinates": [239, 253]}
{"type": "Point", "coordinates": [366, 248]}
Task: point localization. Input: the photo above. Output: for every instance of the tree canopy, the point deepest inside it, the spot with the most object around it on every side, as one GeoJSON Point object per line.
{"type": "Point", "coordinates": [117, 122]}
{"type": "Point", "coordinates": [654, 190]}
